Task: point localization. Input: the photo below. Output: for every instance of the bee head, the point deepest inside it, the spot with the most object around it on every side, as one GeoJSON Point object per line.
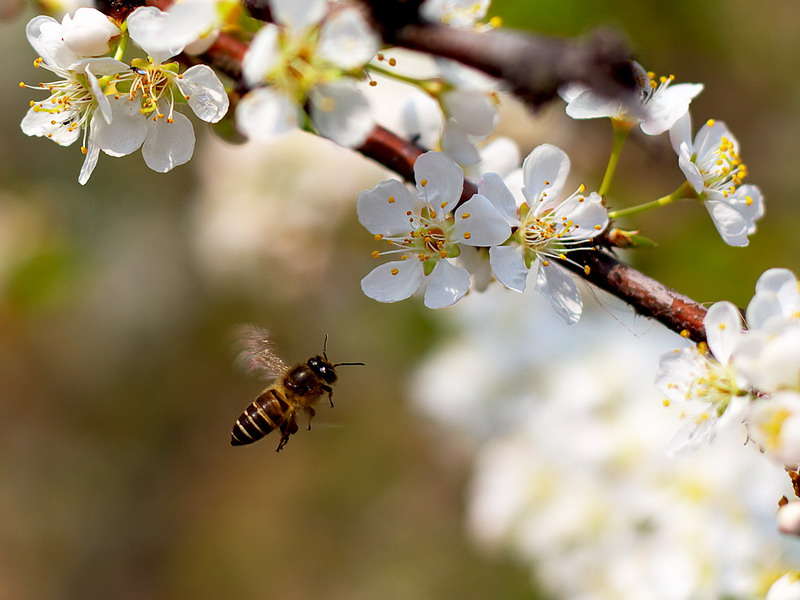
{"type": "Point", "coordinates": [323, 368]}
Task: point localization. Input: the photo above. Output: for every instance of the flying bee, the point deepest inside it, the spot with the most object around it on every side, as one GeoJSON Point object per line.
{"type": "Point", "coordinates": [294, 389]}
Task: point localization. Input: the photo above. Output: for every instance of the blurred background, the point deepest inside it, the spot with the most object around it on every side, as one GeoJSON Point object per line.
{"type": "Point", "coordinates": [118, 299]}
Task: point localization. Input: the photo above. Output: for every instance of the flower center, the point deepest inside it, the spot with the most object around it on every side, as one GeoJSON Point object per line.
{"type": "Point", "coordinates": [153, 83]}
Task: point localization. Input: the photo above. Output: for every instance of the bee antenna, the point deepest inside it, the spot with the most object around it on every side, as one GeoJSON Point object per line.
{"type": "Point", "coordinates": [325, 348]}
{"type": "Point", "coordinates": [350, 364]}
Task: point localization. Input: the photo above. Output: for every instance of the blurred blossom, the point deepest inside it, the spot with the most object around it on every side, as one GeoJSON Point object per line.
{"type": "Point", "coordinates": [570, 473]}
{"type": "Point", "coordinates": [260, 220]}
{"type": "Point", "coordinates": [786, 588]}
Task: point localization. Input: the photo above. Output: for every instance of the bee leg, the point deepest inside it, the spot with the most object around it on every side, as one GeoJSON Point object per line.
{"type": "Point", "coordinates": [329, 390]}
{"type": "Point", "coordinates": [287, 428]}
{"type": "Point", "coordinates": [310, 412]}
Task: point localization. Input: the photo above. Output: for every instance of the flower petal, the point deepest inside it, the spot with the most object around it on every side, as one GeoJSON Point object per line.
{"type": "Point", "coordinates": [147, 27]}
{"type": "Point", "coordinates": [471, 109]}
{"type": "Point", "coordinates": [340, 112]}
{"type": "Point", "coordinates": [88, 32]}
{"type": "Point", "coordinates": [298, 14]}
{"type": "Point", "coordinates": [52, 125]}
{"type": "Point", "coordinates": [747, 201]}
{"type": "Point", "coordinates": [168, 144]}
{"type": "Point", "coordinates": [393, 281]}
{"type": "Point", "coordinates": [439, 180]}
{"type": "Point", "coordinates": [557, 286]}
{"type": "Point", "coordinates": [347, 40]}
{"type": "Point", "coordinates": [508, 265]}
{"type": "Point", "coordinates": [729, 223]}
{"type": "Point", "coordinates": [668, 106]}
{"type": "Point", "coordinates": [723, 326]}
{"type": "Point", "coordinates": [544, 171]}
{"type": "Point", "coordinates": [478, 223]}
{"type": "Point", "coordinates": [447, 285]}
{"type": "Point", "coordinates": [204, 93]}
{"type": "Point", "coordinates": [492, 187]}
{"type": "Point", "coordinates": [45, 35]}
{"type": "Point", "coordinates": [263, 114]}
{"type": "Point", "coordinates": [126, 131]}
{"type": "Point", "coordinates": [681, 133]}
{"type": "Point", "coordinates": [458, 144]}
{"type": "Point", "coordinates": [384, 209]}
{"type": "Point", "coordinates": [261, 56]}
{"type": "Point", "coordinates": [588, 104]}
{"type": "Point", "coordinates": [89, 163]}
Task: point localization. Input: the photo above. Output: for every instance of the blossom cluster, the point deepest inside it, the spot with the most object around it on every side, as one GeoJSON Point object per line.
{"type": "Point", "coordinates": [535, 235]}
{"type": "Point", "coordinates": [749, 377]}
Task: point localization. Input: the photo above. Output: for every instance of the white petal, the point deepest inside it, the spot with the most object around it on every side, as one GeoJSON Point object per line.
{"type": "Point", "coordinates": [471, 109]}
{"type": "Point", "coordinates": [500, 156]}
{"type": "Point", "coordinates": [125, 133]}
{"type": "Point", "coordinates": [478, 223]}
{"type": "Point", "coordinates": [545, 170]}
{"type": "Point", "coordinates": [747, 201]}
{"type": "Point", "coordinates": [443, 179]}
{"type": "Point", "coordinates": [149, 28]}
{"type": "Point", "coordinates": [668, 106]}
{"type": "Point", "coordinates": [723, 326]}
{"type": "Point", "coordinates": [681, 133]}
{"type": "Point", "coordinates": [709, 138]}
{"type": "Point", "coordinates": [590, 105]}
{"type": "Point", "coordinates": [677, 370]}
{"type": "Point", "coordinates": [690, 170]}
{"type": "Point", "coordinates": [88, 32]}
{"type": "Point", "coordinates": [264, 114]}
{"type": "Point", "coordinates": [89, 163]}
{"type": "Point", "coordinates": [421, 119]}
{"type": "Point", "coordinates": [99, 66]}
{"type": "Point", "coordinates": [168, 144]}
{"type": "Point", "coordinates": [347, 40]}
{"type": "Point", "coordinates": [340, 112]}
{"type": "Point", "coordinates": [730, 224]}
{"type": "Point", "coordinates": [562, 293]}
{"type": "Point", "coordinates": [54, 126]}
{"type": "Point", "coordinates": [45, 35]}
{"type": "Point", "coordinates": [261, 56]}
{"type": "Point", "coordinates": [491, 186]}
{"type": "Point", "coordinates": [458, 144]}
{"type": "Point", "coordinates": [508, 265]}
{"type": "Point", "coordinates": [379, 215]}
{"type": "Point", "coordinates": [383, 285]}
{"type": "Point", "coordinates": [589, 217]}
{"type": "Point", "coordinates": [102, 101]}
{"type": "Point", "coordinates": [205, 92]}
{"type": "Point", "coordinates": [447, 285]}
{"type": "Point", "coordinates": [298, 14]}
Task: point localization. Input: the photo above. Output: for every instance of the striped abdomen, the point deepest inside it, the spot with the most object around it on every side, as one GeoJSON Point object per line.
{"type": "Point", "coordinates": [269, 411]}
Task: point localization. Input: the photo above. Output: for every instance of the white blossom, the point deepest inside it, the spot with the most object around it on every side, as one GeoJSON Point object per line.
{"type": "Point", "coordinates": [548, 228]}
{"type": "Point", "coordinates": [426, 234]}
{"type": "Point", "coordinates": [785, 588]}
{"type": "Point", "coordinates": [308, 58]}
{"type": "Point", "coordinates": [713, 166]}
{"type": "Point", "coordinates": [660, 103]}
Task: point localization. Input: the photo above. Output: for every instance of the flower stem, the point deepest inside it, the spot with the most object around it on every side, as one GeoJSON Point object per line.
{"type": "Point", "coordinates": [684, 191]}
{"type": "Point", "coordinates": [621, 130]}
{"type": "Point", "coordinates": [123, 43]}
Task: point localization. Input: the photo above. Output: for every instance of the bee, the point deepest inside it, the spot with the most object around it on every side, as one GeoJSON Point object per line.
{"type": "Point", "coordinates": [294, 389]}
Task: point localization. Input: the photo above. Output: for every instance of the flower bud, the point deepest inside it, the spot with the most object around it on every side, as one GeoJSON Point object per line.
{"type": "Point", "coordinates": [89, 32]}
{"type": "Point", "coordinates": [785, 588]}
{"type": "Point", "coordinates": [789, 518]}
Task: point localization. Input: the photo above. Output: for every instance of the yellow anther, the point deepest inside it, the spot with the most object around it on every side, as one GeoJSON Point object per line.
{"type": "Point", "coordinates": [378, 236]}
{"type": "Point", "coordinates": [84, 150]}
{"type": "Point", "coordinates": [380, 56]}
{"type": "Point", "coordinates": [433, 214]}
{"type": "Point", "coordinates": [404, 257]}
{"type": "Point", "coordinates": [392, 62]}
{"type": "Point", "coordinates": [442, 254]}
{"type": "Point", "coordinates": [562, 256]}
{"type": "Point", "coordinates": [545, 263]}
{"type": "Point", "coordinates": [465, 215]}
{"type": "Point", "coordinates": [748, 200]}
{"type": "Point", "coordinates": [581, 188]}
{"type": "Point", "coordinates": [587, 269]}
{"type": "Point", "coordinates": [665, 402]}
{"type": "Point", "coordinates": [424, 182]}
{"type": "Point", "coordinates": [390, 199]}
{"type": "Point", "coordinates": [710, 122]}
{"type": "Point", "coordinates": [375, 254]}
{"type": "Point", "coordinates": [598, 227]}
{"type": "Point", "coordinates": [443, 204]}
{"type": "Point", "coordinates": [170, 120]}
{"type": "Point", "coordinates": [546, 182]}
{"type": "Point", "coordinates": [395, 271]}
{"type": "Point", "coordinates": [373, 83]}
{"type": "Point", "coordinates": [22, 84]}
{"type": "Point", "coordinates": [408, 213]}
{"type": "Point", "coordinates": [467, 235]}
{"type": "Point", "coordinates": [684, 333]}
{"type": "Point", "coordinates": [496, 22]}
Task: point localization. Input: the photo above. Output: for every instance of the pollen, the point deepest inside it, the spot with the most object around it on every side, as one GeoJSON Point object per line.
{"type": "Point", "coordinates": [373, 83]}
{"type": "Point", "coordinates": [404, 257]}
{"type": "Point", "coordinates": [665, 402]}
{"type": "Point", "coordinates": [392, 62]}
{"type": "Point", "coordinates": [375, 254]}
{"type": "Point", "coordinates": [380, 56]}
{"type": "Point", "coordinates": [395, 271]}
{"type": "Point", "coordinates": [378, 236]}
{"type": "Point", "coordinates": [443, 204]}
{"type": "Point", "coordinates": [545, 263]}
{"type": "Point", "coordinates": [587, 269]}
{"type": "Point", "coordinates": [84, 150]}
{"type": "Point", "coordinates": [748, 200]}
{"type": "Point", "coordinates": [496, 22]}
{"type": "Point", "coordinates": [684, 333]}
{"type": "Point", "coordinates": [467, 235]}
{"type": "Point", "coordinates": [465, 215]}
{"type": "Point", "coordinates": [598, 227]}
{"type": "Point", "coordinates": [546, 182]}
{"type": "Point", "coordinates": [424, 182]}
{"type": "Point", "coordinates": [22, 84]}
{"type": "Point", "coordinates": [710, 122]}
{"type": "Point", "coordinates": [390, 199]}
{"type": "Point", "coordinates": [408, 213]}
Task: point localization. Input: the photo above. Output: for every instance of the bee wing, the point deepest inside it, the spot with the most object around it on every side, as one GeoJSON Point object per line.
{"type": "Point", "coordinates": [255, 355]}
